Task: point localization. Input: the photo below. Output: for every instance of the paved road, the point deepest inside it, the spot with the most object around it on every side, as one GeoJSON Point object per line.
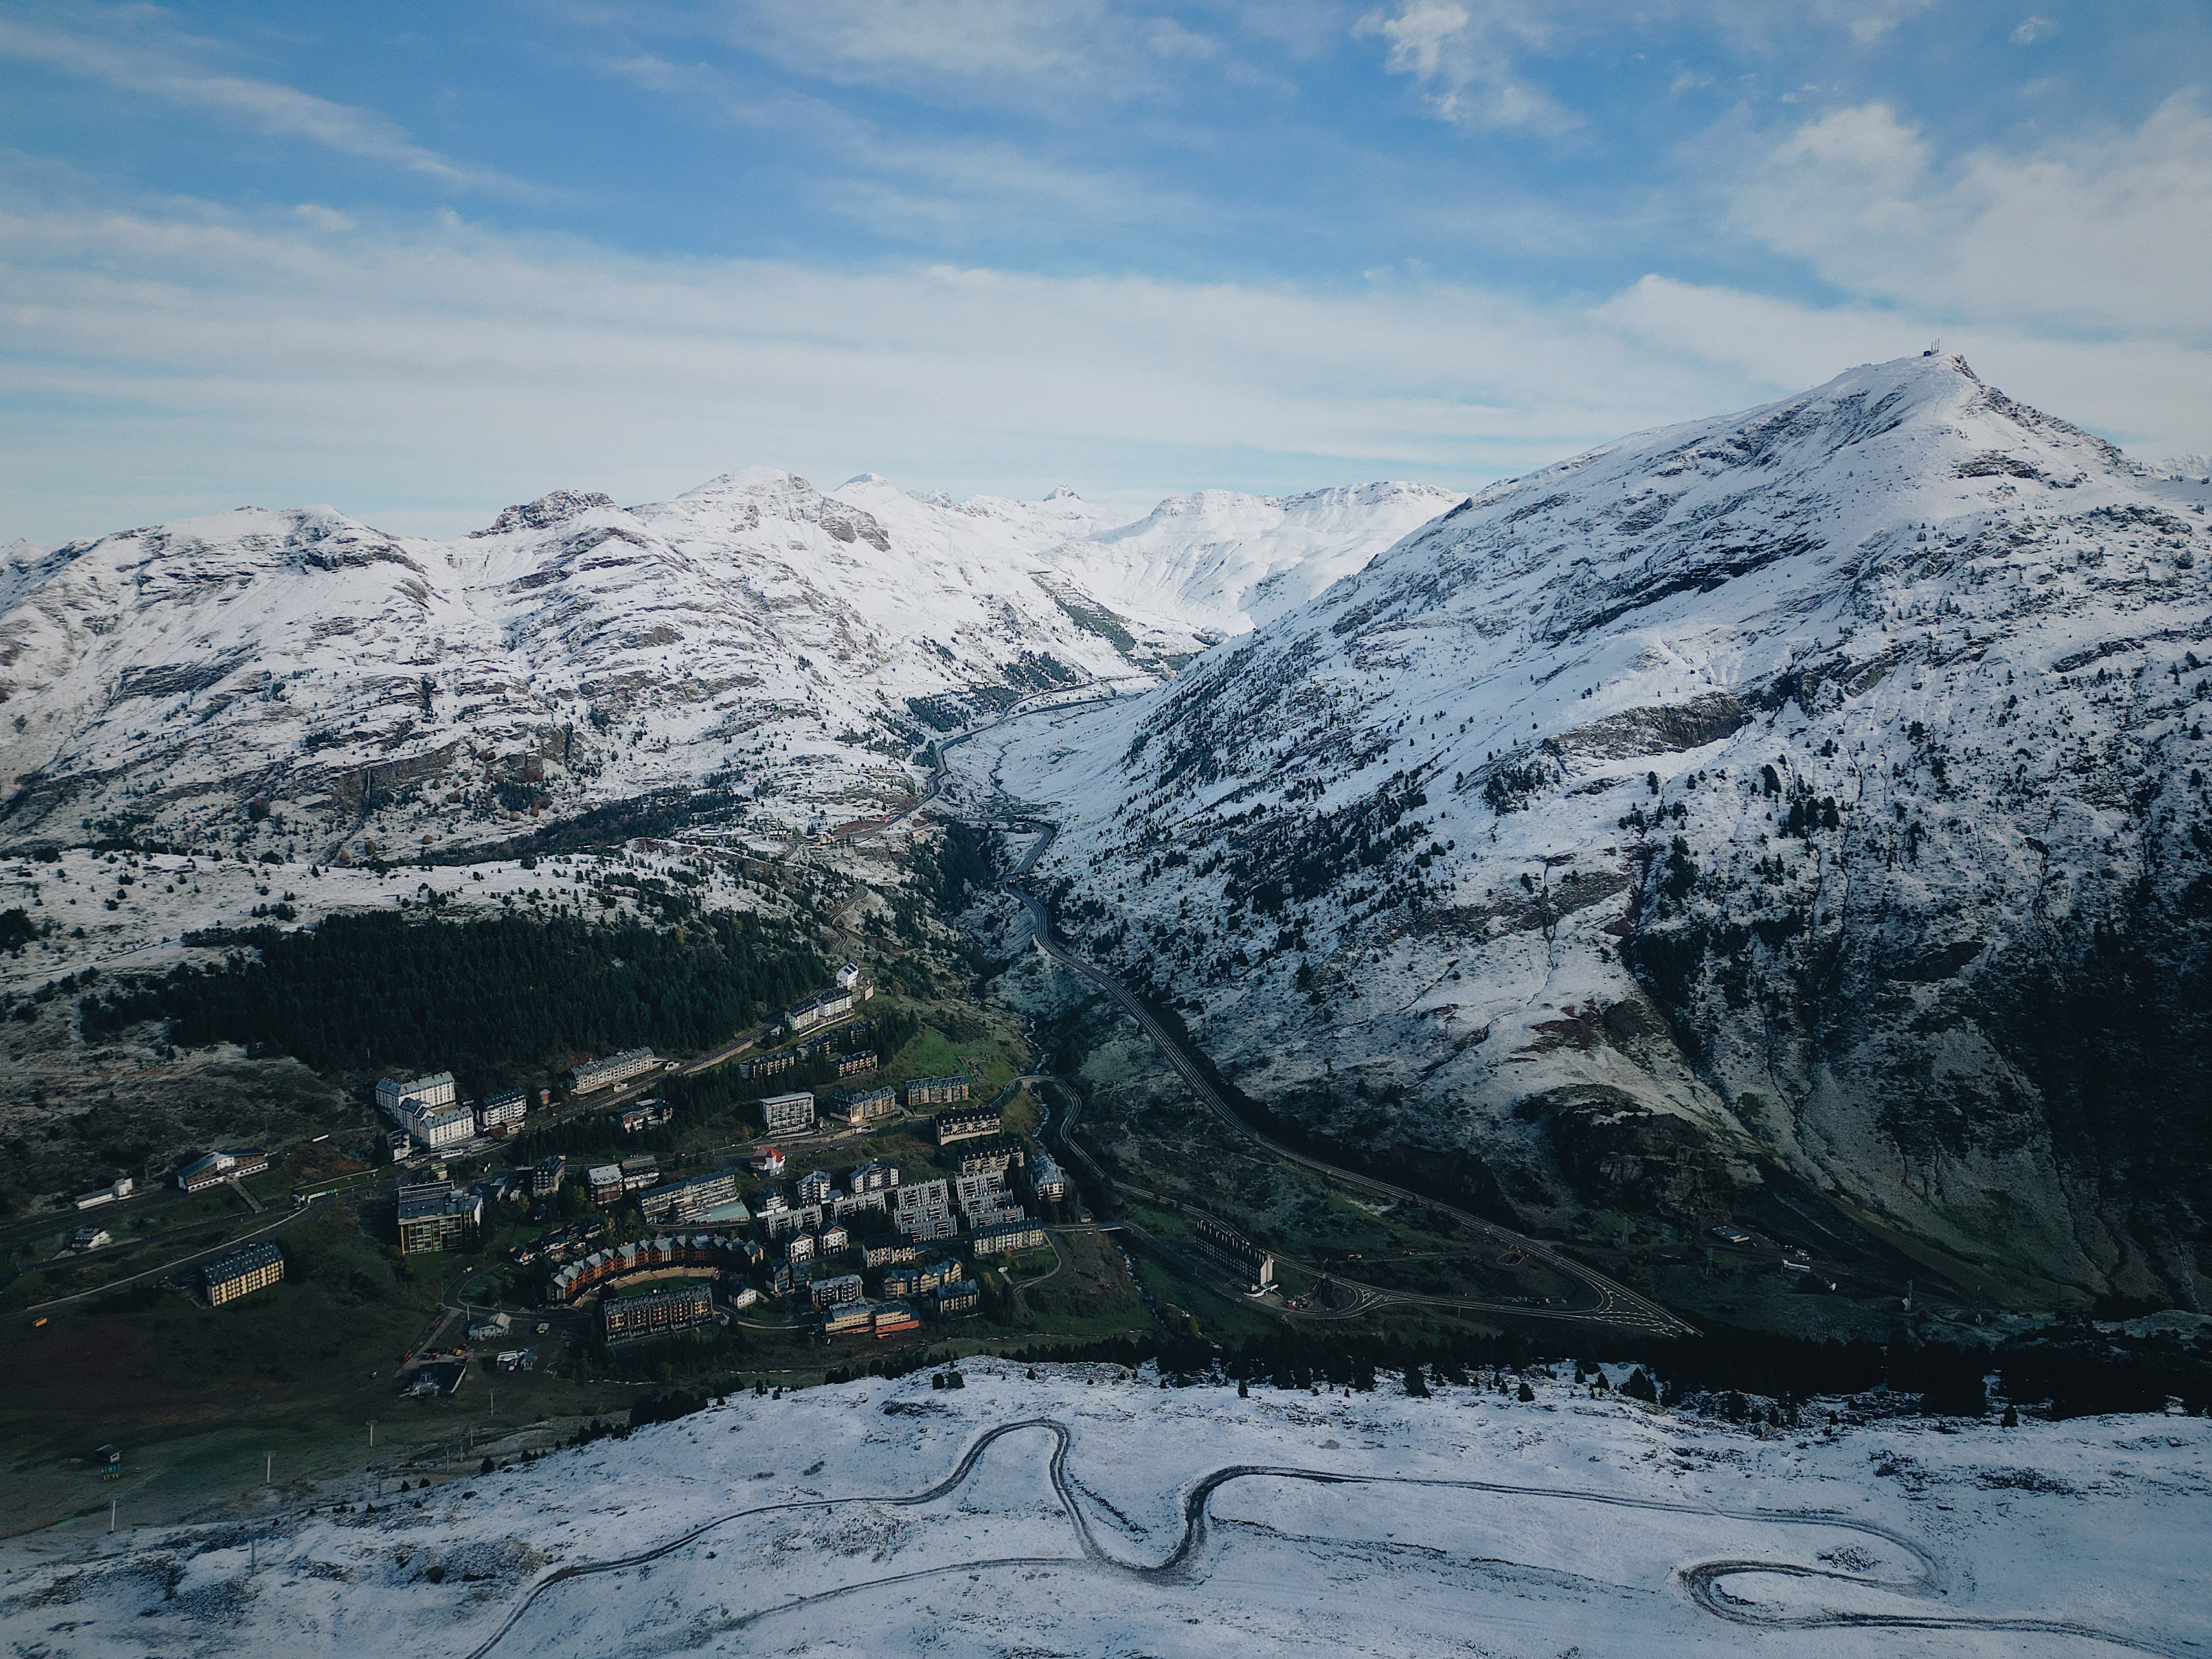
{"type": "Point", "coordinates": [1598, 1301]}
{"type": "Point", "coordinates": [196, 1257]}
{"type": "Point", "coordinates": [1924, 1583]}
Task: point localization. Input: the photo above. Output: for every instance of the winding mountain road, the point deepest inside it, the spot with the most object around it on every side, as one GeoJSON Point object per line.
{"type": "Point", "coordinates": [1598, 1302]}
{"type": "Point", "coordinates": [1927, 1580]}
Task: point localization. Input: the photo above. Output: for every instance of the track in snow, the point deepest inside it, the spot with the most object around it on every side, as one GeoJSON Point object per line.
{"type": "Point", "coordinates": [1705, 1580]}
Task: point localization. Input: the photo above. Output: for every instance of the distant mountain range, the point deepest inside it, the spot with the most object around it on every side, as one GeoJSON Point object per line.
{"type": "Point", "coordinates": [1806, 806]}
{"type": "Point", "coordinates": [756, 647]}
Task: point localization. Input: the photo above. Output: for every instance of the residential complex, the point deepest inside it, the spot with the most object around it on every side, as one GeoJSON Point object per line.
{"type": "Point", "coordinates": [593, 1075]}
{"type": "Point", "coordinates": [994, 1155]}
{"type": "Point", "coordinates": [965, 1123]}
{"type": "Point", "coordinates": [394, 1095]}
{"type": "Point", "coordinates": [439, 1125]}
{"type": "Point", "coordinates": [890, 1318]}
{"type": "Point", "coordinates": [435, 1215]}
{"type": "Point", "coordinates": [241, 1271]}
{"type": "Point", "coordinates": [657, 1313]}
{"type": "Point", "coordinates": [861, 1107]}
{"type": "Point", "coordinates": [498, 1115]}
{"type": "Point", "coordinates": [1238, 1252]}
{"type": "Point", "coordinates": [829, 1004]}
{"type": "Point", "coordinates": [922, 1210]}
{"type": "Point", "coordinates": [1047, 1181]}
{"type": "Point", "coordinates": [983, 1199]}
{"type": "Point", "coordinates": [1007, 1237]}
{"type": "Point", "coordinates": [963, 1296]}
{"type": "Point", "coordinates": [783, 1115]}
{"type": "Point", "coordinates": [873, 1176]}
{"type": "Point", "coordinates": [695, 1255]}
{"type": "Point", "coordinates": [688, 1199]}
{"type": "Point", "coordinates": [646, 1115]}
{"type": "Point", "coordinates": [936, 1090]}
{"type": "Point", "coordinates": [921, 1277]}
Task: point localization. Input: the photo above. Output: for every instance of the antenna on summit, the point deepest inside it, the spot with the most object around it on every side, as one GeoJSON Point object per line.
{"type": "Point", "coordinates": [1934, 346]}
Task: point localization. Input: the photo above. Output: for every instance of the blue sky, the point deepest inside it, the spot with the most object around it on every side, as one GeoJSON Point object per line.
{"type": "Point", "coordinates": [419, 261]}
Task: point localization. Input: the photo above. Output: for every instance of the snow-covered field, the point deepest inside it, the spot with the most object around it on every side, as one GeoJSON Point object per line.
{"type": "Point", "coordinates": [1049, 1516]}
{"type": "Point", "coordinates": [159, 898]}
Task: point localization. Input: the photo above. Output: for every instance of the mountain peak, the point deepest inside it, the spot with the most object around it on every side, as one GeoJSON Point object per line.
{"type": "Point", "coordinates": [1774, 781]}
{"type": "Point", "coordinates": [557, 507]}
{"type": "Point", "coordinates": [748, 480]}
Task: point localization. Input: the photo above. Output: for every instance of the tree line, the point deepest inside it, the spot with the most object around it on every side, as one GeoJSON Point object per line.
{"type": "Point", "coordinates": [487, 999]}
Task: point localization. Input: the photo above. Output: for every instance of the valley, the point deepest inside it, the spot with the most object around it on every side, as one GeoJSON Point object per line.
{"type": "Point", "coordinates": [1374, 936]}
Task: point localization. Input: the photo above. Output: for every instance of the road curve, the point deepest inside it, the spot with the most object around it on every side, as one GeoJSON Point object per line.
{"type": "Point", "coordinates": [1928, 1581]}
{"type": "Point", "coordinates": [1610, 1305]}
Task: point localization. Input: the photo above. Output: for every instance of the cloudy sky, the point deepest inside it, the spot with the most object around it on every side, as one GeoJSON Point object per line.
{"type": "Point", "coordinates": [419, 260]}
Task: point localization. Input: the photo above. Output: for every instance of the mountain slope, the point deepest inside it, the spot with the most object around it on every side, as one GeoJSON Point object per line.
{"type": "Point", "coordinates": [1814, 796]}
{"type": "Point", "coordinates": [1225, 562]}
{"type": "Point", "coordinates": [756, 649]}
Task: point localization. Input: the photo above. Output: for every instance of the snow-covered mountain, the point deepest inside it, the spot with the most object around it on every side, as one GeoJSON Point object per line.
{"type": "Point", "coordinates": [1805, 806]}
{"type": "Point", "coordinates": [307, 682]}
{"type": "Point", "coordinates": [1224, 563]}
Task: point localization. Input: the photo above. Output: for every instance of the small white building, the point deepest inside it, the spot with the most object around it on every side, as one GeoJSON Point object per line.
{"type": "Point", "coordinates": [119, 1187]}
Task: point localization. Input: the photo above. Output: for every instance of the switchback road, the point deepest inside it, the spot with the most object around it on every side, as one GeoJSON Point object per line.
{"type": "Point", "coordinates": [1925, 1584]}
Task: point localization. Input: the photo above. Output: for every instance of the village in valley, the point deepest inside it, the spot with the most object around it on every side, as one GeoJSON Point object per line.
{"type": "Point", "coordinates": [580, 1235]}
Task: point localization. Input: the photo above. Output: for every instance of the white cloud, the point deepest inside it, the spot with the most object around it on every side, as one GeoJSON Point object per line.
{"type": "Point", "coordinates": [2108, 232]}
{"type": "Point", "coordinates": [1460, 53]}
{"type": "Point", "coordinates": [168, 356]}
{"type": "Point", "coordinates": [2032, 29]}
{"type": "Point", "coordinates": [1028, 53]}
{"type": "Point", "coordinates": [318, 217]}
{"type": "Point", "coordinates": [1467, 57]}
{"type": "Point", "coordinates": [150, 63]}
{"type": "Point", "coordinates": [2149, 394]}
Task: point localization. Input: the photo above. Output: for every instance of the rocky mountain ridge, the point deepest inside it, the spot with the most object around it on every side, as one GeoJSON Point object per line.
{"type": "Point", "coordinates": [757, 651]}
{"type": "Point", "coordinates": [1804, 805]}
